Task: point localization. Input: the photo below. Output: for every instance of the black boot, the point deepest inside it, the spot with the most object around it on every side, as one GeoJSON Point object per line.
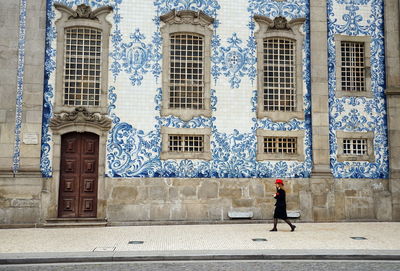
{"type": "Point", "coordinates": [275, 223]}
{"type": "Point", "coordinates": [293, 227]}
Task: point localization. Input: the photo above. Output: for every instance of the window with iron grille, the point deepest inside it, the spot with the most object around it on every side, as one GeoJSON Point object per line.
{"type": "Point", "coordinates": [355, 146]}
{"type": "Point", "coordinates": [280, 145]}
{"type": "Point", "coordinates": [186, 143]}
{"type": "Point", "coordinates": [287, 145]}
{"type": "Point", "coordinates": [82, 66]}
{"type": "Point", "coordinates": [353, 66]}
{"type": "Point", "coordinates": [186, 71]}
{"type": "Point", "coordinates": [279, 66]}
{"type": "Point", "coordinates": [186, 77]}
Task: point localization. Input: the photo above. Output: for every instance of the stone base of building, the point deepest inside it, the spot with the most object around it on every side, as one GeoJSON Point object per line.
{"type": "Point", "coordinates": [32, 201]}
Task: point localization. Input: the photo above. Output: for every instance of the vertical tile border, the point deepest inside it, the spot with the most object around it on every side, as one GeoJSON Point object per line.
{"type": "Point", "coordinates": [20, 85]}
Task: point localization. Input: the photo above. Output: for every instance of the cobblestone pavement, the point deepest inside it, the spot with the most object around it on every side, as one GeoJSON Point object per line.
{"type": "Point", "coordinates": [320, 236]}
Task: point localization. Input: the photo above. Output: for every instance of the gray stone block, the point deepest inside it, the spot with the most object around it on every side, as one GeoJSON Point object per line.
{"type": "Point", "coordinates": [208, 190]}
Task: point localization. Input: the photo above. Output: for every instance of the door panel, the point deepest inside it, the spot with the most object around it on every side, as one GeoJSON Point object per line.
{"type": "Point", "coordinates": [78, 175]}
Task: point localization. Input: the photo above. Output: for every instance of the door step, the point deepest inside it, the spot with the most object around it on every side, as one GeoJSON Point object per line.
{"type": "Point", "coordinates": [74, 223]}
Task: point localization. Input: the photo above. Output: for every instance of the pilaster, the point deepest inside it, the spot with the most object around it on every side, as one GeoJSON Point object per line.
{"type": "Point", "coordinates": [392, 44]}
{"type": "Point", "coordinates": [319, 89]}
{"type": "Point", "coordinates": [33, 87]}
{"type": "Point", "coordinates": [9, 12]}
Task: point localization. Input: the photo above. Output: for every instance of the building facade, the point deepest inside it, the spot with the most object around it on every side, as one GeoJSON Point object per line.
{"type": "Point", "coordinates": [126, 111]}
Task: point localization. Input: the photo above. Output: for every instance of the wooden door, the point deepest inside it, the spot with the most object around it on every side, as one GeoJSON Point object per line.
{"type": "Point", "coordinates": [78, 175]}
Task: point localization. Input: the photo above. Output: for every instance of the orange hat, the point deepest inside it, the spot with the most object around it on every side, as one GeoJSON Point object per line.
{"type": "Point", "coordinates": [279, 181]}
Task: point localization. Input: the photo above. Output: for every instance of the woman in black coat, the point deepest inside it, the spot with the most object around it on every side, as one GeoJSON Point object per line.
{"type": "Point", "coordinates": [280, 206]}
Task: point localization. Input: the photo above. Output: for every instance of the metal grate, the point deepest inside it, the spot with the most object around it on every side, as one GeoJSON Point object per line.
{"type": "Point", "coordinates": [353, 70]}
{"type": "Point", "coordinates": [355, 146]}
{"type": "Point", "coordinates": [358, 238]}
{"type": "Point", "coordinates": [279, 86]}
{"type": "Point", "coordinates": [186, 143]}
{"type": "Point", "coordinates": [186, 71]}
{"type": "Point", "coordinates": [82, 65]}
{"type": "Point", "coordinates": [135, 242]}
{"type": "Point", "coordinates": [259, 240]}
{"type": "Point", "coordinates": [280, 145]}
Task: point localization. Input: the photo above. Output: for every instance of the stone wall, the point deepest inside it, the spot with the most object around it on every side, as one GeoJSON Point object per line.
{"type": "Point", "coordinates": [210, 200]}
{"type": "Point", "coordinates": [20, 201]}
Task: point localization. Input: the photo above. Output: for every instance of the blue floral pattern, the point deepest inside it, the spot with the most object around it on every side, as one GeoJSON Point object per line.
{"type": "Point", "coordinates": [20, 85]}
{"type": "Point", "coordinates": [136, 58]}
{"type": "Point", "coordinates": [132, 152]}
{"type": "Point", "coordinates": [359, 113]}
{"type": "Point", "coordinates": [50, 66]}
{"type": "Point", "coordinates": [233, 61]}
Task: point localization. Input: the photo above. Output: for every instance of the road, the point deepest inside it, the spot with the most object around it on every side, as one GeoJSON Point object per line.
{"type": "Point", "coordinates": [295, 265]}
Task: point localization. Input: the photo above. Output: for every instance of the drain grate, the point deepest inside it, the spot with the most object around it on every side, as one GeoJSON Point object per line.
{"type": "Point", "coordinates": [358, 238]}
{"type": "Point", "coordinates": [135, 242]}
{"type": "Point", "coordinates": [259, 240]}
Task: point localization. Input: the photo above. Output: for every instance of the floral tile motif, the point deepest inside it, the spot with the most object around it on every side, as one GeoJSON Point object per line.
{"type": "Point", "coordinates": [233, 61]}
{"type": "Point", "coordinates": [20, 85]}
{"type": "Point", "coordinates": [359, 18]}
{"type": "Point", "coordinates": [132, 152]}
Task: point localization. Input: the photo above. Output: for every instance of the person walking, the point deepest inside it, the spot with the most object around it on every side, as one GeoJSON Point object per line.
{"type": "Point", "coordinates": [280, 206]}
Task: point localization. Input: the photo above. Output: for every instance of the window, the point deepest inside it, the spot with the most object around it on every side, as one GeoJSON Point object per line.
{"type": "Point", "coordinates": [353, 71]}
{"type": "Point", "coordinates": [82, 58]}
{"type": "Point", "coordinates": [186, 71]}
{"type": "Point", "coordinates": [280, 68]}
{"type": "Point", "coordinates": [82, 77]}
{"type": "Point", "coordinates": [355, 146]}
{"type": "Point", "coordinates": [279, 84]}
{"type": "Point", "coordinates": [186, 143]}
{"type": "Point", "coordinates": [186, 64]}
{"type": "Point", "coordinates": [353, 66]}
{"type": "Point", "coordinates": [280, 145]}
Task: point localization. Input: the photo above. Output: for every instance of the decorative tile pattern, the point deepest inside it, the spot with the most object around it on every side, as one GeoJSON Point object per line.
{"type": "Point", "coordinates": [136, 58]}
{"type": "Point", "coordinates": [135, 152]}
{"type": "Point", "coordinates": [20, 85]}
{"type": "Point", "coordinates": [359, 18]}
{"type": "Point", "coordinates": [233, 61]}
{"type": "Point", "coordinates": [50, 66]}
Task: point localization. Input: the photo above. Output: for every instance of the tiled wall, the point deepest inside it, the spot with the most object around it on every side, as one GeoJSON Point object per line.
{"type": "Point", "coordinates": [359, 114]}
{"type": "Point", "coordinates": [135, 94]}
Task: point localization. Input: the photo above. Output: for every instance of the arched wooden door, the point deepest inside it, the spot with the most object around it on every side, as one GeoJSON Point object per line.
{"type": "Point", "coordinates": [78, 175]}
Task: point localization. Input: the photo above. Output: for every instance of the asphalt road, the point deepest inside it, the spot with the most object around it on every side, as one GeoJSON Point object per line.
{"type": "Point", "coordinates": [296, 265]}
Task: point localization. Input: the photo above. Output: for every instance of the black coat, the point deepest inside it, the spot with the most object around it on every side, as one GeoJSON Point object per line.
{"type": "Point", "coordinates": [280, 205]}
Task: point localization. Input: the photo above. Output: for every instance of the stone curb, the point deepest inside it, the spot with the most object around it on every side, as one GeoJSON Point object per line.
{"type": "Point", "coordinates": [143, 256]}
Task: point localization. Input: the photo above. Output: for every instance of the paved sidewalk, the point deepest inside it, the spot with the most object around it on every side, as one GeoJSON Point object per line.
{"type": "Point", "coordinates": [200, 242]}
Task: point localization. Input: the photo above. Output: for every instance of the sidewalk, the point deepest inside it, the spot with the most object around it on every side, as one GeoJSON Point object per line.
{"type": "Point", "coordinates": [191, 242]}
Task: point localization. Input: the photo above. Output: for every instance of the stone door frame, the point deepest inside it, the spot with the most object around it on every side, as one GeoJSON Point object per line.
{"type": "Point", "coordinates": [80, 121]}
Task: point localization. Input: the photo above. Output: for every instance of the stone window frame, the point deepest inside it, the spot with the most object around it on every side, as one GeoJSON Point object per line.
{"type": "Point", "coordinates": [166, 154]}
{"type": "Point", "coordinates": [83, 16]}
{"type": "Point", "coordinates": [262, 156]}
{"type": "Point", "coordinates": [198, 23]}
{"type": "Point", "coordinates": [369, 136]}
{"type": "Point", "coordinates": [367, 64]}
{"type": "Point", "coordinates": [280, 28]}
